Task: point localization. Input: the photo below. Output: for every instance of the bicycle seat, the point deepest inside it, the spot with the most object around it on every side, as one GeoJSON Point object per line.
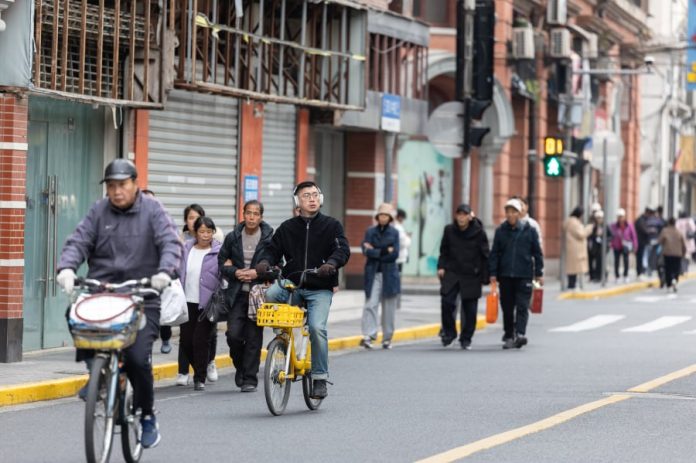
{"type": "Point", "coordinates": [290, 286]}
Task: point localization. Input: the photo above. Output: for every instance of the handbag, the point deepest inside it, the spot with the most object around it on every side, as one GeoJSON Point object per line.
{"type": "Point", "coordinates": [216, 309]}
{"type": "Point", "coordinates": [627, 245]}
{"type": "Point", "coordinates": [174, 310]}
{"type": "Point", "coordinates": [492, 304]}
{"type": "Point", "coordinates": [257, 297]}
{"type": "Point", "coordinates": [537, 297]}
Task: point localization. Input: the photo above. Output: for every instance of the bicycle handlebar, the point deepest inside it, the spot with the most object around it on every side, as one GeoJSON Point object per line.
{"type": "Point", "coordinates": [140, 287]}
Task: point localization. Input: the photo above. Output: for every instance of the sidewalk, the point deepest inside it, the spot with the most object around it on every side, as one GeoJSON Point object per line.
{"type": "Point", "coordinates": [53, 373]}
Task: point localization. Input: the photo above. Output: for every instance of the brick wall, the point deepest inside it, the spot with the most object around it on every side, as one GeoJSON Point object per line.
{"type": "Point", "coordinates": [13, 156]}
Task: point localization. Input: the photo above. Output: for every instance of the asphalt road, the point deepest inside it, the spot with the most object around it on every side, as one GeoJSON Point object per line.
{"type": "Point", "coordinates": [420, 400]}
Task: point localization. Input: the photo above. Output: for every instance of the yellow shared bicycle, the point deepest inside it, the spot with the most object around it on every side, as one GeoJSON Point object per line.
{"type": "Point", "coordinates": [289, 354]}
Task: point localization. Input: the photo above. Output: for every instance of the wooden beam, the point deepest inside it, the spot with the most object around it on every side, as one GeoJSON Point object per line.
{"type": "Point", "coordinates": [117, 35]}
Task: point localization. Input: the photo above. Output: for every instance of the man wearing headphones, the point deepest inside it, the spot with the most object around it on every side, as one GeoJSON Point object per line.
{"type": "Point", "coordinates": [309, 240]}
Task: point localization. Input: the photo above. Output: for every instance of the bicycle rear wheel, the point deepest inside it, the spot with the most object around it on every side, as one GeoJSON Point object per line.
{"type": "Point", "coordinates": [130, 427]}
{"type": "Point", "coordinates": [312, 404]}
{"type": "Point", "coordinates": [99, 422]}
{"type": "Point", "coordinates": [276, 387]}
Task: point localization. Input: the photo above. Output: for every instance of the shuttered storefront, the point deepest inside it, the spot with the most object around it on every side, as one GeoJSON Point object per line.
{"type": "Point", "coordinates": [193, 155]}
{"type": "Point", "coordinates": [278, 165]}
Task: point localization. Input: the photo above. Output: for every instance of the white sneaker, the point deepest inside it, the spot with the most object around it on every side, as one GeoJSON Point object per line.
{"type": "Point", "coordinates": [182, 380]}
{"type": "Point", "coordinates": [211, 373]}
{"type": "Point", "coordinates": [627, 280]}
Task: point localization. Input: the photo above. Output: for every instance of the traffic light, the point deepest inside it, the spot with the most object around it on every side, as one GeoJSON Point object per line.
{"type": "Point", "coordinates": [553, 150]}
{"type": "Point", "coordinates": [482, 73]}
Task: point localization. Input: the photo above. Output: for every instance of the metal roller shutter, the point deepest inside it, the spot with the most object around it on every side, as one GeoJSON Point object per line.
{"type": "Point", "coordinates": [193, 155]}
{"type": "Point", "coordinates": [278, 165]}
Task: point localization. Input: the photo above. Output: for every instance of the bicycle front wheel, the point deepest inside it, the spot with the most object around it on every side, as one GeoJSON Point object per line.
{"type": "Point", "coordinates": [130, 427]}
{"type": "Point", "coordinates": [99, 422]}
{"type": "Point", "coordinates": [275, 385]}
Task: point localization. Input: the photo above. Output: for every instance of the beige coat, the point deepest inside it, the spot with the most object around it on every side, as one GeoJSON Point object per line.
{"type": "Point", "coordinates": [672, 242]}
{"type": "Point", "coordinates": [576, 246]}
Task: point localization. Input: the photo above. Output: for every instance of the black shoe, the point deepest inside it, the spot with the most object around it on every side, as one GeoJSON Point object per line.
{"type": "Point", "coordinates": [248, 388]}
{"type": "Point", "coordinates": [198, 386]}
{"type": "Point", "coordinates": [319, 389]}
{"type": "Point", "coordinates": [366, 343]}
{"type": "Point", "coordinates": [447, 340]}
{"type": "Point", "coordinates": [238, 378]}
{"type": "Point", "coordinates": [509, 343]}
{"type": "Point", "coordinates": [520, 341]}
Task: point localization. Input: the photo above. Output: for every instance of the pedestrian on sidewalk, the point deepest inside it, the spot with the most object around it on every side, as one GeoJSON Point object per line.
{"type": "Point", "coordinates": [404, 245]}
{"type": "Point", "coordinates": [515, 259]}
{"type": "Point", "coordinates": [623, 242]}
{"type": "Point", "coordinates": [652, 253]}
{"type": "Point", "coordinates": [673, 250]}
{"type": "Point", "coordinates": [237, 260]}
{"type": "Point", "coordinates": [191, 213]}
{"type": "Point", "coordinates": [687, 228]}
{"type": "Point", "coordinates": [600, 234]}
{"type": "Point", "coordinates": [462, 269]}
{"type": "Point", "coordinates": [127, 235]}
{"type": "Point", "coordinates": [200, 278]}
{"type": "Point", "coordinates": [382, 285]}
{"type": "Point", "coordinates": [576, 234]}
{"type": "Point", "coordinates": [643, 235]}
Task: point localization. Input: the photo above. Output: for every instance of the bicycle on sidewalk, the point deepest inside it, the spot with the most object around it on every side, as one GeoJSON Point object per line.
{"type": "Point", "coordinates": [286, 362]}
{"type": "Point", "coordinates": [106, 318]}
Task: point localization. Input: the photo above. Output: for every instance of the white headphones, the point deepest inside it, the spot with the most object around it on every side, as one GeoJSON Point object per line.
{"type": "Point", "coordinates": [307, 184]}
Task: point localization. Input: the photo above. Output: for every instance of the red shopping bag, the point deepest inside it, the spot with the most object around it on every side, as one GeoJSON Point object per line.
{"type": "Point", "coordinates": [537, 297]}
{"type": "Point", "coordinates": [492, 304]}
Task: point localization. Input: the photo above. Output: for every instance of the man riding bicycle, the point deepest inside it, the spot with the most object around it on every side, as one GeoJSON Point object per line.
{"type": "Point", "coordinates": [310, 240]}
{"type": "Point", "coordinates": [127, 235]}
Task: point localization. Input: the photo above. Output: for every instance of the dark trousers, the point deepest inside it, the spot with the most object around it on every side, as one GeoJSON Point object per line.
{"type": "Point", "coordinates": [245, 339]}
{"type": "Point", "coordinates": [165, 333]}
{"type": "Point", "coordinates": [183, 360]}
{"type": "Point", "coordinates": [672, 269]}
{"type": "Point", "coordinates": [449, 316]}
{"type": "Point", "coordinates": [515, 294]}
{"type": "Point", "coordinates": [619, 255]}
{"type": "Point", "coordinates": [639, 259]}
{"type": "Point", "coordinates": [195, 340]}
{"type": "Point", "coordinates": [572, 281]}
{"type": "Point", "coordinates": [596, 265]}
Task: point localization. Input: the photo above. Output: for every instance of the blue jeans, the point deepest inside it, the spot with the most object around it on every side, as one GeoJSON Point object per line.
{"type": "Point", "coordinates": [318, 302]}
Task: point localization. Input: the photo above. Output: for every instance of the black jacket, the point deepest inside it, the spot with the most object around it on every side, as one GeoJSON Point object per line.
{"type": "Point", "coordinates": [232, 249]}
{"type": "Point", "coordinates": [306, 244]}
{"type": "Point", "coordinates": [516, 252]}
{"type": "Point", "coordinates": [464, 257]}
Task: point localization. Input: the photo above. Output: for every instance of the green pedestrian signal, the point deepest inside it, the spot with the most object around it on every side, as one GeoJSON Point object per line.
{"type": "Point", "coordinates": [553, 166]}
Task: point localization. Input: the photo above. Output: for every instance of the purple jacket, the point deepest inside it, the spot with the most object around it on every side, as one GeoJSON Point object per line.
{"type": "Point", "coordinates": [121, 245]}
{"type": "Point", "coordinates": [209, 273]}
{"type": "Point", "coordinates": [619, 236]}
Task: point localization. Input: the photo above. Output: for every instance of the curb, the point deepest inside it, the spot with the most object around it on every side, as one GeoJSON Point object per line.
{"type": "Point", "coordinates": [68, 387]}
{"type": "Point", "coordinates": [617, 291]}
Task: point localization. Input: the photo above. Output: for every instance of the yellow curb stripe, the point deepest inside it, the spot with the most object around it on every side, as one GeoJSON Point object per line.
{"type": "Point", "coordinates": [517, 433]}
{"type": "Point", "coordinates": [67, 387]}
{"type": "Point", "coordinates": [508, 436]}
{"type": "Point", "coordinates": [623, 289]}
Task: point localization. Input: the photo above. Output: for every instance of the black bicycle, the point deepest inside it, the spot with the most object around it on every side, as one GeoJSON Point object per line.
{"type": "Point", "coordinates": [106, 318]}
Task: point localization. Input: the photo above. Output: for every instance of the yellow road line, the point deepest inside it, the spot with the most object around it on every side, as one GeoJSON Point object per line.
{"type": "Point", "coordinates": [617, 290]}
{"type": "Point", "coordinates": [518, 433]}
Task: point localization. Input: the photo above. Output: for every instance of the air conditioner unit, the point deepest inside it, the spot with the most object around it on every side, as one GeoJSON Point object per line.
{"type": "Point", "coordinates": [590, 46]}
{"type": "Point", "coordinates": [557, 12]}
{"type": "Point", "coordinates": [522, 43]}
{"type": "Point", "coordinates": [560, 43]}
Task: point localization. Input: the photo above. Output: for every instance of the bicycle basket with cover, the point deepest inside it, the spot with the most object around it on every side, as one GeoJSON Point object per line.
{"type": "Point", "coordinates": [105, 321]}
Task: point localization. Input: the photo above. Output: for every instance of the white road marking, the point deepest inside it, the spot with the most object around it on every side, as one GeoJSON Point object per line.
{"type": "Point", "coordinates": [657, 324]}
{"type": "Point", "coordinates": [591, 323]}
{"type": "Point", "coordinates": [651, 299]}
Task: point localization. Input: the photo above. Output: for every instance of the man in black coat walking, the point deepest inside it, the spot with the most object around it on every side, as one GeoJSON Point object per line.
{"type": "Point", "coordinates": [462, 269]}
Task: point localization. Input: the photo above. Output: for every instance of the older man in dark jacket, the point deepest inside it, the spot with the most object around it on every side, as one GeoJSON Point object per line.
{"type": "Point", "coordinates": [515, 260]}
{"type": "Point", "coordinates": [462, 269]}
{"type": "Point", "coordinates": [237, 260]}
{"type": "Point", "coordinates": [128, 235]}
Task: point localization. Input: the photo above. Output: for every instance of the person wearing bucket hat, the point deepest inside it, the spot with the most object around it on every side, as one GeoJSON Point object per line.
{"type": "Point", "coordinates": [515, 259]}
{"type": "Point", "coordinates": [127, 235]}
{"type": "Point", "coordinates": [382, 283]}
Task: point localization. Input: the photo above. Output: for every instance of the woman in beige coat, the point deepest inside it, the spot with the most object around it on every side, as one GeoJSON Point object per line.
{"type": "Point", "coordinates": [576, 234]}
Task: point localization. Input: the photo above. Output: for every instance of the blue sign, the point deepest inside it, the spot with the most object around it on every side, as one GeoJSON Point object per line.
{"type": "Point", "coordinates": [690, 50]}
{"type": "Point", "coordinates": [251, 187]}
{"type": "Point", "coordinates": [391, 113]}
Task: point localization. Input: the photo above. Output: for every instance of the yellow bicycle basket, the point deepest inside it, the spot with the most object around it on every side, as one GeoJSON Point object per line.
{"type": "Point", "coordinates": [280, 316]}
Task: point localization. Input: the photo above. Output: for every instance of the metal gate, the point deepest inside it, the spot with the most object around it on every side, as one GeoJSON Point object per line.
{"type": "Point", "coordinates": [193, 155]}
{"type": "Point", "coordinates": [278, 165]}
